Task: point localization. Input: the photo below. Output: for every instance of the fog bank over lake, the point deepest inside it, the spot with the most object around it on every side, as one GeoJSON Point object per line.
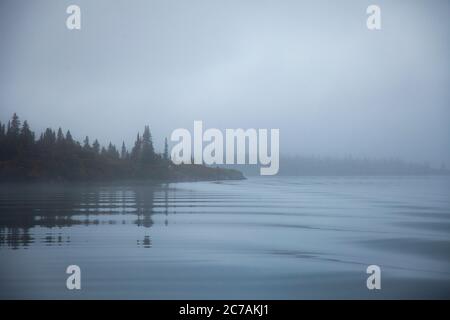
{"type": "Point", "coordinates": [311, 69]}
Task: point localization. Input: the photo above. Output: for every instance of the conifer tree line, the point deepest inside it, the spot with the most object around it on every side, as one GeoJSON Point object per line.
{"type": "Point", "coordinates": [55, 154]}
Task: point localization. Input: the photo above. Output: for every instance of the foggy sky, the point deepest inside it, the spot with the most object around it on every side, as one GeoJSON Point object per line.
{"type": "Point", "coordinates": [309, 68]}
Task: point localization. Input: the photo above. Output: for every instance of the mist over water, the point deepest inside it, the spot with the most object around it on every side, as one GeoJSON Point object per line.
{"type": "Point", "coordinates": [309, 68]}
{"type": "Point", "coordinates": [286, 237]}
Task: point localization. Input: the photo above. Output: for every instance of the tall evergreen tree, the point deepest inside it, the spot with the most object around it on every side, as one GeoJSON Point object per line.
{"type": "Point", "coordinates": [148, 153]}
{"type": "Point", "coordinates": [2, 130]}
{"type": "Point", "coordinates": [96, 147]}
{"type": "Point", "coordinates": [86, 145]}
{"type": "Point", "coordinates": [3, 151]}
{"type": "Point", "coordinates": [136, 151]}
{"type": "Point", "coordinates": [166, 150]}
{"type": "Point", "coordinates": [26, 135]}
{"type": "Point", "coordinates": [123, 153]}
{"type": "Point", "coordinates": [14, 126]}
{"type": "Point", "coordinates": [69, 138]}
{"type": "Point", "coordinates": [60, 136]}
{"type": "Point", "coordinates": [112, 151]}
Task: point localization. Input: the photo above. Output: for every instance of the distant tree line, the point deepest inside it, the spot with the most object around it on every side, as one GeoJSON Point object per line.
{"type": "Point", "coordinates": [310, 165]}
{"type": "Point", "coordinates": [303, 165]}
{"type": "Point", "coordinates": [55, 155]}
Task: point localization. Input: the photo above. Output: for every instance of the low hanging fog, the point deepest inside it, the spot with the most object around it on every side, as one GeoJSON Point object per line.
{"type": "Point", "coordinates": [310, 68]}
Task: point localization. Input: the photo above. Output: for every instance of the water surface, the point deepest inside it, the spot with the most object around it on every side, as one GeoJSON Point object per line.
{"type": "Point", "coordinates": [262, 238]}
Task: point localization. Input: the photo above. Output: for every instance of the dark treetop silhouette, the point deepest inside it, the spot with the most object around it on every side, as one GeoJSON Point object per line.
{"type": "Point", "coordinates": [57, 156]}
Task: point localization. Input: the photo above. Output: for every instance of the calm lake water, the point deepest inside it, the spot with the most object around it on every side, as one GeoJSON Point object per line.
{"type": "Point", "coordinates": [262, 238]}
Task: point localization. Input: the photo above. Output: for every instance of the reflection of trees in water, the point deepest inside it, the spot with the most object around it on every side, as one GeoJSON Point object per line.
{"type": "Point", "coordinates": [28, 206]}
{"type": "Point", "coordinates": [55, 239]}
{"type": "Point", "coordinates": [144, 207]}
{"type": "Point", "coordinates": [15, 237]}
{"type": "Point", "coordinates": [145, 243]}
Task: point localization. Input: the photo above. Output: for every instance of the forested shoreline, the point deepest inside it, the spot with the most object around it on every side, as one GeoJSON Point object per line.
{"type": "Point", "coordinates": [57, 156]}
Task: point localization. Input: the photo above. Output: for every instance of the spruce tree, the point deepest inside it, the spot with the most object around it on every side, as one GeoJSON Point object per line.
{"type": "Point", "coordinates": [136, 151]}
{"type": "Point", "coordinates": [26, 135]}
{"type": "Point", "coordinates": [60, 136]}
{"type": "Point", "coordinates": [112, 151]}
{"type": "Point", "coordinates": [14, 126]}
{"type": "Point", "coordinates": [166, 150]}
{"type": "Point", "coordinates": [69, 138]}
{"type": "Point", "coordinates": [148, 153]}
{"type": "Point", "coordinates": [123, 153]}
{"type": "Point", "coordinates": [86, 144]}
{"type": "Point", "coordinates": [96, 146]}
{"type": "Point", "coordinates": [2, 131]}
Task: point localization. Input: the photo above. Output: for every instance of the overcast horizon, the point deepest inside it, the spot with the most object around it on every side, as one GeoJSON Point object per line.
{"type": "Point", "coordinates": [313, 70]}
